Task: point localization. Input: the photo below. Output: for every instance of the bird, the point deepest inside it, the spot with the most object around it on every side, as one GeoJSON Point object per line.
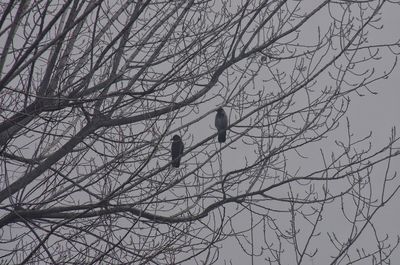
{"type": "Point", "coordinates": [176, 150]}
{"type": "Point", "coordinates": [221, 122]}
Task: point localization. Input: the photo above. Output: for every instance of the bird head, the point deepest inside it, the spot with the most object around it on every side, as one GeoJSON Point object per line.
{"type": "Point", "coordinates": [176, 138]}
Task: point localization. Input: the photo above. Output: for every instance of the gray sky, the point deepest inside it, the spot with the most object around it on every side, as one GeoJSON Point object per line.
{"type": "Point", "coordinates": [376, 113]}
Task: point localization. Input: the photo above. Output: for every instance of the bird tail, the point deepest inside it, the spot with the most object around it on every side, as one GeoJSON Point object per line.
{"type": "Point", "coordinates": [176, 162]}
{"type": "Point", "coordinates": [222, 136]}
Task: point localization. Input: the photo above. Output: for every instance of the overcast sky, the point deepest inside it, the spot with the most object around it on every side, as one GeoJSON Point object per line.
{"type": "Point", "coordinates": [376, 113]}
{"type": "Point", "coordinates": [369, 113]}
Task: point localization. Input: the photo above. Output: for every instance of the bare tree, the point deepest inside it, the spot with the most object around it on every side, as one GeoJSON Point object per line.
{"type": "Point", "coordinates": [91, 93]}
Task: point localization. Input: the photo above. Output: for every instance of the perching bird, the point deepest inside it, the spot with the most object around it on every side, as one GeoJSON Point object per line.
{"type": "Point", "coordinates": [221, 122]}
{"type": "Point", "coordinates": [176, 150]}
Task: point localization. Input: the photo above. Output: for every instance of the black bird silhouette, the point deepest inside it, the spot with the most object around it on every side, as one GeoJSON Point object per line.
{"type": "Point", "coordinates": [176, 150]}
{"type": "Point", "coordinates": [221, 122]}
